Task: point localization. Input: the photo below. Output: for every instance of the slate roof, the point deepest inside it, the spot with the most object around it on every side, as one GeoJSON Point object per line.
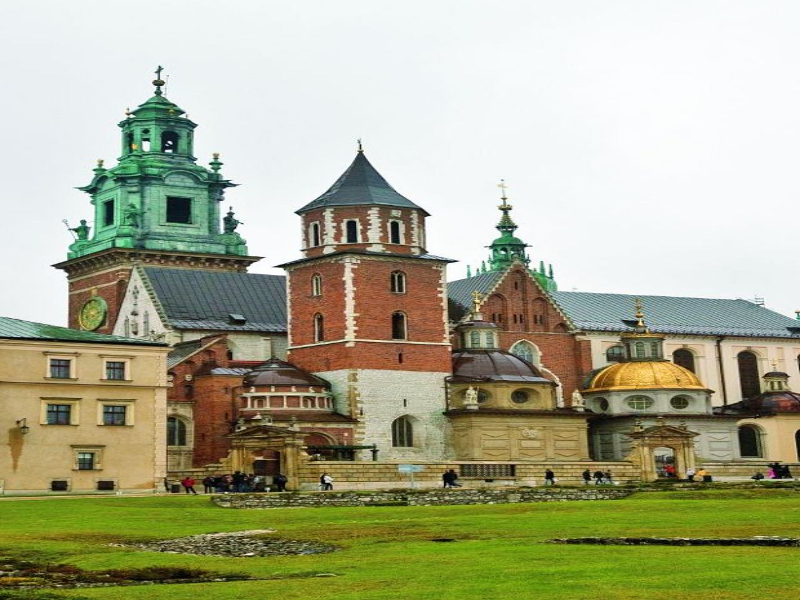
{"type": "Point", "coordinates": [181, 351]}
{"type": "Point", "coordinates": [195, 299]}
{"type": "Point", "coordinates": [677, 315]}
{"type": "Point", "coordinates": [591, 311]}
{"type": "Point", "coordinates": [360, 184]}
{"type": "Point", "coordinates": [17, 329]}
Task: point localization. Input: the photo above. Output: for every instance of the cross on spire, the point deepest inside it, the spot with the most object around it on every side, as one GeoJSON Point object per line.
{"type": "Point", "coordinates": [158, 82]}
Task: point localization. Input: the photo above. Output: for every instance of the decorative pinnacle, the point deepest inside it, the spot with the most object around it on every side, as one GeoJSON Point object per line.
{"type": "Point", "coordinates": [477, 297]}
{"type": "Point", "coordinates": [128, 113]}
{"type": "Point", "coordinates": [158, 82]}
{"type": "Point", "coordinates": [360, 147]}
{"type": "Point", "coordinates": [215, 163]}
{"type": "Point", "coordinates": [100, 163]}
{"type": "Point", "coordinates": [506, 223]}
{"type": "Point", "coordinates": [797, 315]}
{"type": "Point", "coordinates": [640, 326]}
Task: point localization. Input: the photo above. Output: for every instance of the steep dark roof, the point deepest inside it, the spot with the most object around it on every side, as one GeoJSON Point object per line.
{"type": "Point", "coordinates": [211, 300]}
{"type": "Point", "coordinates": [181, 351]}
{"type": "Point", "coordinates": [460, 292]}
{"type": "Point", "coordinates": [676, 314]}
{"type": "Point", "coordinates": [17, 329]}
{"type": "Point", "coordinates": [360, 184]}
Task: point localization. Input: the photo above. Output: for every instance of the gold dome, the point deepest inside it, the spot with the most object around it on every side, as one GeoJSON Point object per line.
{"type": "Point", "coordinates": [644, 375]}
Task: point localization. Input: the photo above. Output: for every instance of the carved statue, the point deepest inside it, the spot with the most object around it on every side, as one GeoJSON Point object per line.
{"type": "Point", "coordinates": [471, 396]}
{"type": "Point", "coordinates": [229, 222]}
{"type": "Point", "coordinates": [529, 434]}
{"type": "Point", "coordinates": [577, 400]}
{"type": "Point", "coordinates": [131, 215]}
{"type": "Point", "coordinates": [81, 231]}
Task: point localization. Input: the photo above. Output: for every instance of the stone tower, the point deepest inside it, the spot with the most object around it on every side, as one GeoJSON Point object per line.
{"type": "Point", "coordinates": [156, 206]}
{"type": "Point", "coordinates": [368, 312]}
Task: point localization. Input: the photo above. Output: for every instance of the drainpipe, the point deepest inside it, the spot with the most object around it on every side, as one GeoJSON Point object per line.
{"type": "Point", "coordinates": [722, 370]}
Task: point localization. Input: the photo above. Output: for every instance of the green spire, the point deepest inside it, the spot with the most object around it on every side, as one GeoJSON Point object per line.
{"type": "Point", "coordinates": [508, 248]}
{"type": "Point", "coordinates": [157, 197]}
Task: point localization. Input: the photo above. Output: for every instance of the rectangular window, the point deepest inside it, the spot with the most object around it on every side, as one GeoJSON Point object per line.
{"type": "Point", "coordinates": [86, 461]}
{"type": "Point", "coordinates": [108, 213]}
{"type": "Point", "coordinates": [114, 414]}
{"type": "Point", "coordinates": [115, 370]}
{"type": "Point", "coordinates": [59, 414]}
{"type": "Point", "coordinates": [60, 368]}
{"type": "Point", "coordinates": [179, 210]}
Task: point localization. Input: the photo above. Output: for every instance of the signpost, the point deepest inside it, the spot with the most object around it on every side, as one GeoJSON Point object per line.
{"type": "Point", "coordinates": [410, 469]}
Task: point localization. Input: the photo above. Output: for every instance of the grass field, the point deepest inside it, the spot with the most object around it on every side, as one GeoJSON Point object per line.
{"type": "Point", "coordinates": [387, 553]}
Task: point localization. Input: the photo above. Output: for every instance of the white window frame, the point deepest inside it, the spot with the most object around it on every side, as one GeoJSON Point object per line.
{"type": "Point", "coordinates": [72, 357]}
{"type": "Point", "coordinates": [74, 413]}
{"type": "Point", "coordinates": [107, 358]}
{"type": "Point", "coordinates": [94, 449]}
{"type": "Point", "coordinates": [129, 411]}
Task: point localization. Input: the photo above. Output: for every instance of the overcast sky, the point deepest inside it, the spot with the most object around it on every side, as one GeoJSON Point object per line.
{"type": "Point", "coordinates": [649, 147]}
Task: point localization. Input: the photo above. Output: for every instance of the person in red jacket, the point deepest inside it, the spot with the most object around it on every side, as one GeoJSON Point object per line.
{"type": "Point", "coordinates": [188, 485]}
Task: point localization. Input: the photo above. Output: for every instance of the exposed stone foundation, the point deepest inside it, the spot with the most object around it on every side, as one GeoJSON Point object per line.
{"type": "Point", "coordinates": [418, 497]}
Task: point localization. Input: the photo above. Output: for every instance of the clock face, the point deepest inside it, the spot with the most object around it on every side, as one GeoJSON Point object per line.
{"type": "Point", "coordinates": [93, 313]}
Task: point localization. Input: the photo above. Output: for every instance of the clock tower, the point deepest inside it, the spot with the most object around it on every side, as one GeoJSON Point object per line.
{"type": "Point", "coordinates": [155, 206]}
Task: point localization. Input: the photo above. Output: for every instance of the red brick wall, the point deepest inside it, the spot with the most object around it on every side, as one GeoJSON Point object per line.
{"type": "Point", "coordinates": [110, 286]}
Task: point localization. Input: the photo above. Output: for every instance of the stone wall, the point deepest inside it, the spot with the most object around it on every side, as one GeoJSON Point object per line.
{"type": "Point", "coordinates": [418, 497]}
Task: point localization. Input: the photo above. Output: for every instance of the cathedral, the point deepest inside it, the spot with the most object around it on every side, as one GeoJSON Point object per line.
{"type": "Point", "coordinates": [364, 353]}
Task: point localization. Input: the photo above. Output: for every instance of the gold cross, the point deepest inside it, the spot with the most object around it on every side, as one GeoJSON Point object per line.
{"type": "Point", "coordinates": [477, 297]}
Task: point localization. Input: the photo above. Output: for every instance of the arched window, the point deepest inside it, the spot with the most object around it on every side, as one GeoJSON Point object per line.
{"type": "Point", "coordinates": [525, 351]}
{"type": "Point", "coordinates": [316, 285]}
{"type": "Point", "coordinates": [319, 328]}
{"type": "Point", "coordinates": [176, 432]}
{"type": "Point", "coordinates": [750, 442]}
{"type": "Point", "coordinates": [399, 326]}
{"type": "Point", "coordinates": [615, 354]}
{"type": "Point", "coordinates": [398, 282]}
{"type": "Point", "coordinates": [169, 142]}
{"type": "Point", "coordinates": [314, 235]}
{"type": "Point", "coordinates": [145, 140]}
{"type": "Point", "coordinates": [475, 339]}
{"type": "Point", "coordinates": [402, 433]}
{"type": "Point", "coordinates": [748, 374]}
{"type": "Point", "coordinates": [684, 358]}
{"type": "Point", "coordinates": [639, 349]}
{"type": "Point", "coordinates": [394, 232]}
{"type": "Point", "coordinates": [351, 230]}
{"type": "Point", "coordinates": [490, 339]}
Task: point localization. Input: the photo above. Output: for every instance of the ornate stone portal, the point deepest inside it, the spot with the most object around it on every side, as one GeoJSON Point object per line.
{"type": "Point", "coordinates": [647, 440]}
{"type": "Point", "coordinates": [250, 444]}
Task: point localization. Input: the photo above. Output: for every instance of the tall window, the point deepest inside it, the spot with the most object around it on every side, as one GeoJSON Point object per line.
{"type": "Point", "coordinates": [60, 368]}
{"type": "Point", "coordinates": [399, 326]}
{"type": "Point", "coordinates": [115, 370]}
{"type": "Point", "coordinates": [398, 282]}
{"type": "Point", "coordinates": [748, 374]}
{"type": "Point", "coordinates": [684, 358]}
{"type": "Point", "coordinates": [490, 339]}
{"type": "Point", "coordinates": [108, 212]}
{"type": "Point", "coordinates": [176, 432]}
{"type": "Point", "coordinates": [750, 442]}
{"type": "Point", "coordinates": [319, 328]}
{"type": "Point", "coordinates": [351, 230]}
{"type": "Point", "coordinates": [316, 285]}
{"type": "Point", "coordinates": [59, 414]}
{"type": "Point", "coordinates": [394, 232]}
{"type": "Point", "coordinates": [402, 433]}
{"type": "Point", "coordinates": [474, 339]}
{"type": "Point", "coordinates": [315, 236]}
{"type": "Point", "coordinates": [526, 352]}
{"type": "Point", "coordinates": [179, 210]}
{"type": "Point", "coordinates": [639, 349]}
{"type": "Point", "coordinates": [114, 414]}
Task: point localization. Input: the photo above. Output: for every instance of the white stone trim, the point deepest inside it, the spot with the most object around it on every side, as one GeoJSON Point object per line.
{"type": "Point", "coordinates": [329, 231]}
{"type": "Point", "coordinates": [374, 230]}
{"type": "Point", "coordinates": [350, 327]}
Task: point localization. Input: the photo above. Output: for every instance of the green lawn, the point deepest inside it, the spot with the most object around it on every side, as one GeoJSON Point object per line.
{"type": "Point", "coordinates": [386, 552]}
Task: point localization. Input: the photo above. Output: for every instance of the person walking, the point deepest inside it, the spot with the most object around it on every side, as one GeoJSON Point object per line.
{"type": "Point", "coordinates": [326, 482]}
{"type": "Point", "coordinates": [452, 478]}
{"type": "Point", "coordinates": [208, 485]}
{"type": "Point", "coordinates": [549, 477]}
{"type": "Point", "coordinates": [587, 477]}
{"type": "Point", "coordinates": [690, 473]}
{"type": "Point", "coordinates": [280, 482]}
{"type": "Point", "coordinates": [598, 477]}
{"type": "Point", "coordinates": [188, 485]}
{"type": "Point", "coordinates": [608, 478]}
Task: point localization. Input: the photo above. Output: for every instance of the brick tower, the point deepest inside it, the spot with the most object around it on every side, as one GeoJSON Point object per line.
{"type": "Point", "coordinates": [156, 206]}
{"type": "Point", "coordinates": [368, 312]}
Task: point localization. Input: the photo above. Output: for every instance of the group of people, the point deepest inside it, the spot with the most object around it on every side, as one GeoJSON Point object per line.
{"type": "Point", "coordinates": [236, 483]}
{"type": "Point", "coordinates": [599, 477]}
{"type": "Point", "coordinates": [450, 479]}
{"type": "Point", "coordinates": [774, 471]}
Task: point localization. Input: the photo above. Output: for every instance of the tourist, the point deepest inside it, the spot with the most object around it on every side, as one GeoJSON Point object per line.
{"type": "Point", "coordinates": [166, 485]}
{"type": "Point", "coordinates": [188, 485]}
{"type": "Point", "coordinates": [327, 482]}
{"type": "Point", "coordinates": [587, 477]}
{"type": "Point", "coordinates": [280, 482]}
{"type": "Point", "coordinates": [607, 477]}
{"type": "Point", "coordinates": [774, 470]}
{"type": "Point", "coordinates": [598, 477]}
{"type": "Point", "coordinates": [785, 472]}
{"type": "Point", "coordinates": [670, 470]}
{"type": "Point", "coordinates": [239, 479]}
{"type": "Point", "coordinates": [451, 479]}
{"type": "Point", "coordinates": [549, 477]}
{"type": "Point", "coordinates": [771, 472]}
{"type": "Point", "coordinates": [703, 475]}
{"type": "Point", "coordinates": [208, 485]}
{"type": "Point", "coordinates": [690, 473]}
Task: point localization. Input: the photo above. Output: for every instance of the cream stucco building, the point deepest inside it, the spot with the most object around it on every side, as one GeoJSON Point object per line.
{"type": "Point", "coordinates": [81, 412]}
